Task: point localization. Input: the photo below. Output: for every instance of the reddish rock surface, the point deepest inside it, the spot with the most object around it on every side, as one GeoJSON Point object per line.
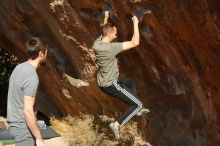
{"type": "Point", "coordinates": [176, 67]}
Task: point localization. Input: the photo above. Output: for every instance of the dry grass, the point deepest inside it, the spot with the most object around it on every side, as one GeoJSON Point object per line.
{"type": "Point", "coordinates": [89, 130]}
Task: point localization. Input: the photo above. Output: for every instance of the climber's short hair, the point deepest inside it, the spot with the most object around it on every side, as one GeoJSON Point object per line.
{"type": "Point", "coordinates": [34, 46]}
{"type": "Point", "coordinates": [107, 28]}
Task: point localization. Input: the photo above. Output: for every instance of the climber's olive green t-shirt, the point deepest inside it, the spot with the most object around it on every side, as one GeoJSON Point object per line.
{"type": "Point", "coordinates": [107, 61]}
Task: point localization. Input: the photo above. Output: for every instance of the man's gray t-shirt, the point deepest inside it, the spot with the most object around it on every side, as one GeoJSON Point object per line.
{"type": "Point", "coordinates": [107, 61]}
{"type": "Point", "coordinates": [23, 82]}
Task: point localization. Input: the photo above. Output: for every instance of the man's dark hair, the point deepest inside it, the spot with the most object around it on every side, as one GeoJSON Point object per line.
{"type": "Point", "coordinates": [34, 46]}
{"type": "Point", "coordinates": [108, 27]}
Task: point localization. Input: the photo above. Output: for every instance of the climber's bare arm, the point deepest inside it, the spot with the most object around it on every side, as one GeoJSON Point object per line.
{"type": "Point", "coordinates": [135, 38]}
{"type": "Point", "coordinates": [106, 18]}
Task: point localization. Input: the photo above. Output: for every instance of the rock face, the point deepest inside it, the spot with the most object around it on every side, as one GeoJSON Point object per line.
{"type": "Point", "coordinates": [176, 67]}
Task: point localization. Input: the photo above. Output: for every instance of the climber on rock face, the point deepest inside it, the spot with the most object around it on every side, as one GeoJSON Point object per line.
{"type": "Point", "coordinates": [22, 92]}
{"type": "Point", "coordinates": [108, 73]}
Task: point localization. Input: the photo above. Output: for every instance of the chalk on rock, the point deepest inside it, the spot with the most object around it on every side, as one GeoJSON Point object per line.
{"type": "Point", "coordinates": [140, 12]}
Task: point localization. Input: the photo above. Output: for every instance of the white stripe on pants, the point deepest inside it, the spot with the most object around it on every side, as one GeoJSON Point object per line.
{"type": "Point", "coordinates": [130, 96]}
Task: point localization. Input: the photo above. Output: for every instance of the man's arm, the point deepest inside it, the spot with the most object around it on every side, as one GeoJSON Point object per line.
{"type": "Point", "coordinates": [31, 119]}
{"type": "Point", "coordinates": [135, 38]}
{"type": "Point", "coordinates": [106, 18]}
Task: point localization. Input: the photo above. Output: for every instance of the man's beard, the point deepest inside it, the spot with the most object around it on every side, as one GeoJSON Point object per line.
{"type": "Point", "coordinates": [43, 63]}
{"type": "Point", "coordinates": [115, 39]}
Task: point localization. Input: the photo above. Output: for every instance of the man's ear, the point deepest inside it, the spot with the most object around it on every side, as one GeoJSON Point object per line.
{"type": "Point", "coordinates": [109, 35]}
{"type": "Point", "coordinates": [40, 53]}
